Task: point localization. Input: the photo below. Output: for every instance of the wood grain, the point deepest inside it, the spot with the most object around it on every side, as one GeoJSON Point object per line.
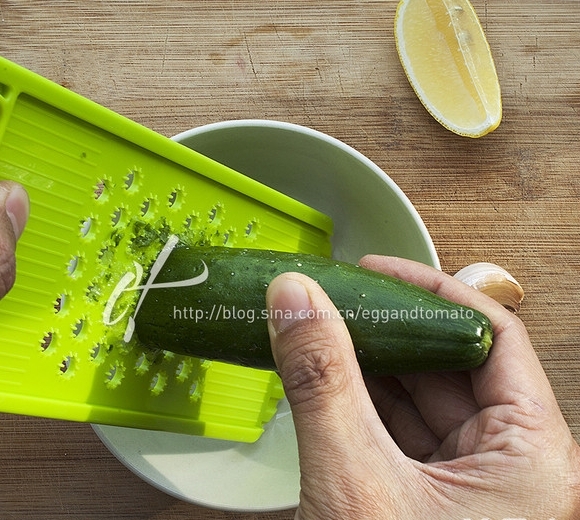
{"type": "Point", "coordinates": [510, 198]}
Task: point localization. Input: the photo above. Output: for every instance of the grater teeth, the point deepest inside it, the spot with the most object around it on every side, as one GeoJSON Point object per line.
{"type": "Point", "coordinates": [106, 194]}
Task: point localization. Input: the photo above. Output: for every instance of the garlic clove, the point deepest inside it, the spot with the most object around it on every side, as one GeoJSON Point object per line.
{"type": "Point", "coordinates": [496, 282]}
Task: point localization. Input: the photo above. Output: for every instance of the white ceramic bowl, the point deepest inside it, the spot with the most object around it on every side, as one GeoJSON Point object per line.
{"type": "Point", "coordinates": [371, 215]}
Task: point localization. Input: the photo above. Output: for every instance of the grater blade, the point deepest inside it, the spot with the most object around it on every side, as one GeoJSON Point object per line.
{"type": "Point", "coordinates": [97, 182]}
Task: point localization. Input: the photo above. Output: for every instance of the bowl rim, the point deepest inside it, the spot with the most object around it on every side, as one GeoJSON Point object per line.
{"type": "Point", "coordinates": [316, 134]}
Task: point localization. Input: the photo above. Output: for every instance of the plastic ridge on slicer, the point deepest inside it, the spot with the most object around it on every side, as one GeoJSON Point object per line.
{"type": "Point", "coordinates": [101, 186]}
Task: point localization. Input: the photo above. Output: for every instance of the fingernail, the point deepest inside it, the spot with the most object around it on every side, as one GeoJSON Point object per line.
{"type": "Point", "coordinates": [289, 302]}
{"type": "Point", "coordinates": [18, 208]}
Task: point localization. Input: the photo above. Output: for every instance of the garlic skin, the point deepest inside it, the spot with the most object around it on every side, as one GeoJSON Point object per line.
{"type": "Point", "coordinates": [496, 282]}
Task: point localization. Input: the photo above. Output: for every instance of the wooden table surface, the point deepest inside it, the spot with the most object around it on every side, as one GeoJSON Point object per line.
{"type": "Point", "coordinates": [509, 198]}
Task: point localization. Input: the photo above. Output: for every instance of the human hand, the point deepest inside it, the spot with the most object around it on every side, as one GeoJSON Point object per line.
{"type": "Point", "coordinates": [14, 208]}
{"type": "Point", "coordinates": [489, 443]}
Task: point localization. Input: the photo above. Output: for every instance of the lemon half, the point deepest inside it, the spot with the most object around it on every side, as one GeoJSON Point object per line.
{"type": "Point", "coordinates": [447, 59]}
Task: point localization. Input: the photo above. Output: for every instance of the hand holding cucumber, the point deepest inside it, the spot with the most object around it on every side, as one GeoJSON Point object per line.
{"type": "Point", "coordinates": [485, 443]}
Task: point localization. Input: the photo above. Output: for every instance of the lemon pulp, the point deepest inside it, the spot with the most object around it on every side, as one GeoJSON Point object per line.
{"type": "Point", "coordinates": [448, 62]}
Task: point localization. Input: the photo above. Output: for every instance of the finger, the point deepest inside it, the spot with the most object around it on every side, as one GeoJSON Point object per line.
{"type": "Point", "coordinates": [437, 282]}
{"type": "Point", "coordinates": [512, 373]}
{"type": "Point", "coordinates": [402, 418]}
{"type": "Point", "coordinates": [444, 399]}
{"type": "Point", "coordinates": [420, 410]}
{"type": "Point", "coordinates": [14, 208]}
{"type": "Point", "coordinates": [334, 417]}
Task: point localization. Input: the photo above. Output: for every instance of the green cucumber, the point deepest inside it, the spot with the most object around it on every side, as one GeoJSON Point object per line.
{"type": "Point", "coordinates": [396, 327]}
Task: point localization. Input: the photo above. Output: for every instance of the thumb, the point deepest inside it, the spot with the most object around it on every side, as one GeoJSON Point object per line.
{"type": "Point", "coordinates": [336, 422]}
{"type": "Point", "coordinates": [14, 208]}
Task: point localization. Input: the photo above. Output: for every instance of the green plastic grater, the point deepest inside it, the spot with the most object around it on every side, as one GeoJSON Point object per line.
{"type": "Point", "coordinates": [98, 183]}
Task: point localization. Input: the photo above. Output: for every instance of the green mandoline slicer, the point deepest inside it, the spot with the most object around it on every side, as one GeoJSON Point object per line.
{"type": "Point", "coordinates": [99, 185]}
